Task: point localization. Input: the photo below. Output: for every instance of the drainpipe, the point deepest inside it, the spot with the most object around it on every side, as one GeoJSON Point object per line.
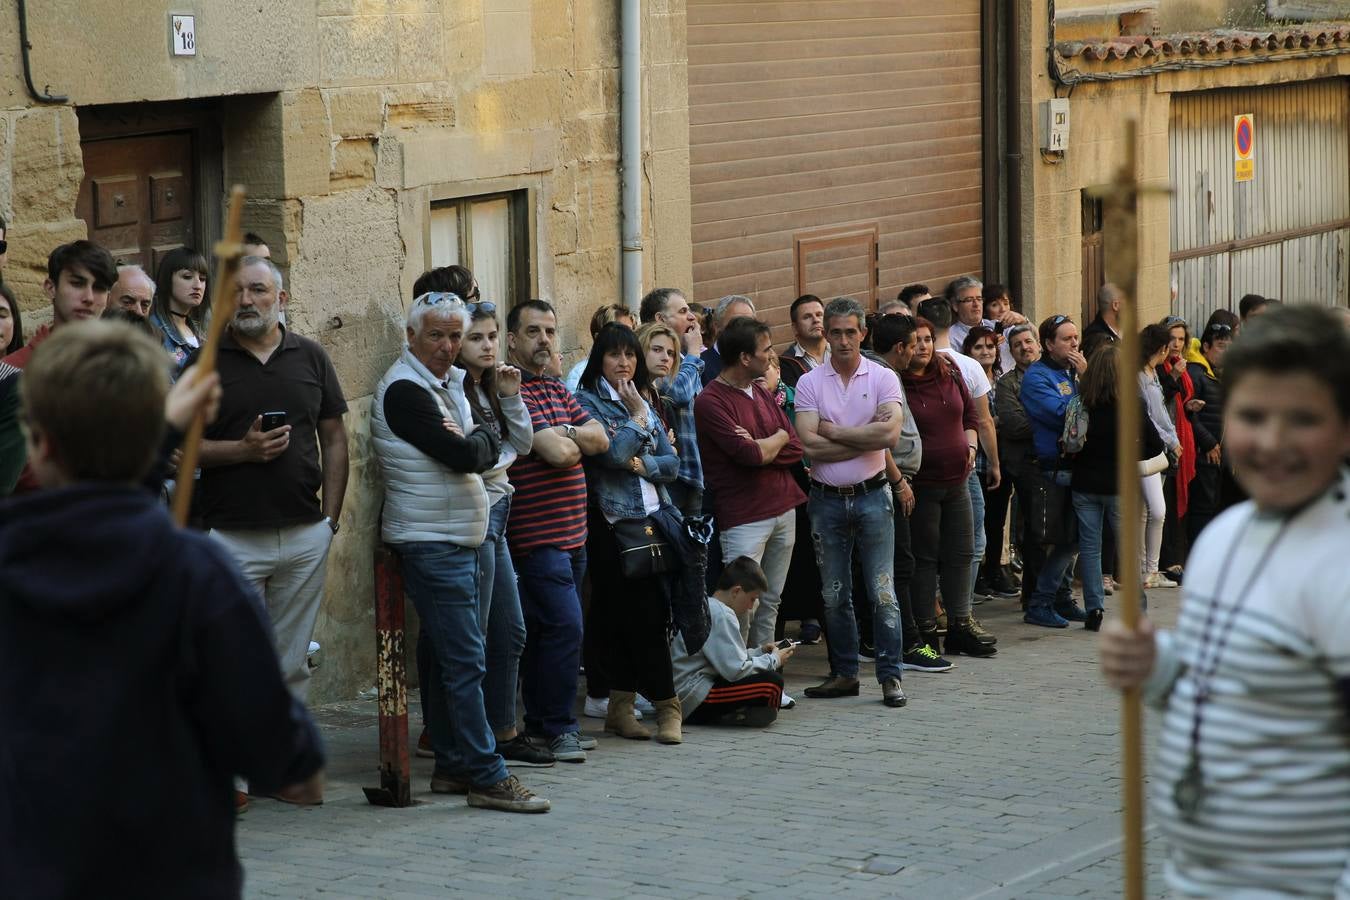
{"type": "Point", "coordinates": [1013, 156]}
{"type": "Point", "coordinates": [989, 161]}
{"type": "Point", "coordinates": [630, 149]}
{"type": "Point", "coordinates": [43, 96]}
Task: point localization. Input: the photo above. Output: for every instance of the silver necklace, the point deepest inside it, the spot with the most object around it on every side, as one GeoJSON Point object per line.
{"type": "Point", "coordinates": [1188, 793]}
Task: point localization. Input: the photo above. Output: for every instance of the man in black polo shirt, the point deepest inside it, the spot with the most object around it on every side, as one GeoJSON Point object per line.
{"type": "Point", "coordinates": [259, 489]}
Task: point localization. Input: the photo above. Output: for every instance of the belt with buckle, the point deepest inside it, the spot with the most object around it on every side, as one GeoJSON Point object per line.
{"type": "Point", "coordinates": [875, 483]}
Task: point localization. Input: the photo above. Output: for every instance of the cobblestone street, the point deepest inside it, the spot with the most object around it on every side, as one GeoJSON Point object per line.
{"type": "Point", "coordinates": [998, 780]}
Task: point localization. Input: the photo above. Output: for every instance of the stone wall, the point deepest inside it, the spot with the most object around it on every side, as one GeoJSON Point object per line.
{"type": "Point", "coordinates": [345, 120]}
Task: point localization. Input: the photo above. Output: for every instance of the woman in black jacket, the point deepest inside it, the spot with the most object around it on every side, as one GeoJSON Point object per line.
{"type": "Point", "coordinates": [1096, 493]}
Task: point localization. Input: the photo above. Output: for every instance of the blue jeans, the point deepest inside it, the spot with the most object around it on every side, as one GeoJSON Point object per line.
{"type": "Point", "coordinates": [505, 625]}
{"type": "Point", "coordinates": [838, 523]}
{"type": "Point", "coordinates": [1058, 561]}
{"type": "Point", "coordinates": [1092, 510]}
{"type": "Point", "coordinates": [977, 525]}
{"type": "Point", "coordinates": [442, 580]}
{"type": "Point", "coordinates": [550, 596]}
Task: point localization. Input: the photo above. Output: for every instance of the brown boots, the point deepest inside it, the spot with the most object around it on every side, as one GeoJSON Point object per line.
{"type": "Point", "coordinates": [620, 720]}
{"type": "Point", "coordinates": [668, 718]}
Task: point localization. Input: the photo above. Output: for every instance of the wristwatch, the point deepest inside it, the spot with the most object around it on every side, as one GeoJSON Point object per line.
{"type": "Point", "coordinates": [570, 431]}
{"type": "Point", "coordinates": [332, 523]}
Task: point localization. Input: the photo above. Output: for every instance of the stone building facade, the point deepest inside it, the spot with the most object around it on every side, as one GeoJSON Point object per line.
{"type": "Point", "coordinates": [375, 138]}
{"type": "Point", "coordinates": [1283, 234]}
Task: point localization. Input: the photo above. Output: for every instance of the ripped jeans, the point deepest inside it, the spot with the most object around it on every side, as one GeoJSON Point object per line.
{"type": "Point", "coordinates": [838, 525]}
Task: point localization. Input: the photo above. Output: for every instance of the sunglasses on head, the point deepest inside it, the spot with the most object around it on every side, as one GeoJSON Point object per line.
{"type": "Point", "coordinates": [1218, 326]}
{"type": "Point", "coordinates": [1059, 320]}
{"type": "Point", "coordinates": [436, 298]}
{"type": "Point", "coordinates": [486, 306]}
{"type": "Point", "coordinates": [1174, 320]}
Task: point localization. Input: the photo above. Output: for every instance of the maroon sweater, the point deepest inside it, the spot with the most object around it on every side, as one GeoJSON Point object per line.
{"type": "Point", "coordinates": [742, 489]}
{"type": "Point", "coordinates": [943, 410]}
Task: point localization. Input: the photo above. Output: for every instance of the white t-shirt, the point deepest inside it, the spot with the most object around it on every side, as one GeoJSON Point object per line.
{"type": "Point", "coordinates": [972, 373]}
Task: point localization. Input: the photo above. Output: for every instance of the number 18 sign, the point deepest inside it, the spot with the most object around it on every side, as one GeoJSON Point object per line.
{"type": "Point", "coordinates": [183, 35]}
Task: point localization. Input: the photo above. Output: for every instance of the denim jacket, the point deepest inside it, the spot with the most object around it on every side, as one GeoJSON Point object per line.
{"type": "Point", "coordinates": [178, 349]}
{"type": "Point", "coordinates": [614, 487]}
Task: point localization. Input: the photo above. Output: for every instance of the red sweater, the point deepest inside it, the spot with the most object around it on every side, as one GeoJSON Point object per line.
{"type": "Point", "coordinates": [743, 490]}
{"type": "Point", "coordinates": [943, 410]}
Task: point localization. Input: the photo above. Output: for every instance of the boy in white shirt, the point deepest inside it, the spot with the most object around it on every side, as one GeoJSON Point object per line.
{"type": "Point", "coordinates": [1254, 761]}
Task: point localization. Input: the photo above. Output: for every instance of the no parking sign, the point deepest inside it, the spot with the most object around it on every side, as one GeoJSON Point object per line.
{"type": "Point", "coordinates": [1244, 147]}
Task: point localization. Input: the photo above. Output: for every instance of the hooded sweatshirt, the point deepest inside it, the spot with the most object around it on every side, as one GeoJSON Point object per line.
{"type": "Point", "coordinates": [137, 678]}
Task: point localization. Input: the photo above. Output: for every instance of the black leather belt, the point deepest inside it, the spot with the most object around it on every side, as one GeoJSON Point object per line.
{"type": "Point", "coordinates": [875, 483]}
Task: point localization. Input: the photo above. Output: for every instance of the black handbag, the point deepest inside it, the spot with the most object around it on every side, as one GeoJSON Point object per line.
{"type": "Point", "coordinates": [642, 549]}
{"type": "Point", "coordinates": [1052, 518]}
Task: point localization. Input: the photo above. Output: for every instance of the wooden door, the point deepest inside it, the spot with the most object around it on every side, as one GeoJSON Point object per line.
{"type": "Point", "coordinates": [138, 196]}
{"type": "Point", "coordinates": [1094, 257]}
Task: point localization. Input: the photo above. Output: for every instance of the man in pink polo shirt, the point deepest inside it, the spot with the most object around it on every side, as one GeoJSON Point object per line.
{"type": "Point", "coordinates": [848, 419]}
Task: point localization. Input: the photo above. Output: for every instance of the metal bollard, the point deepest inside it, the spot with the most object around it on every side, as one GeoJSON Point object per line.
{"type": "Point", "coordinates": [392, 680]}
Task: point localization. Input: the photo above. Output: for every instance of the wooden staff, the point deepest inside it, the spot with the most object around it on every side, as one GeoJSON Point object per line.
{"type": "Point", "coordinates": [1122, 222]}
{"type": "Point", "coordinates": [221, 290]}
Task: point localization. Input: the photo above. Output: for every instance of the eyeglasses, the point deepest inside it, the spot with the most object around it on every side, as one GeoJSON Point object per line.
{"type": "Point", "coordinates": [436, 298]}
{"type": "Point", "coordinates": [486, 306]}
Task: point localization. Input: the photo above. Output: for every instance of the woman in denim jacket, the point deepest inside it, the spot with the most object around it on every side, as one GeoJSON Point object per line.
{"type": "Point", "coordinates": [629, 616]}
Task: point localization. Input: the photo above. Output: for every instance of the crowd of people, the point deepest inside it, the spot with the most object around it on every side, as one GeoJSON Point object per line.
{"type": "Point", "coordinates": [651, 523]}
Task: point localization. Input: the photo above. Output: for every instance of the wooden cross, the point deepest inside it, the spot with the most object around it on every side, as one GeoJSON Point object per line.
{"type": "Point", "coordinates": [228, 251]}
{"type": "Point", "coordinates": [1120, 218]}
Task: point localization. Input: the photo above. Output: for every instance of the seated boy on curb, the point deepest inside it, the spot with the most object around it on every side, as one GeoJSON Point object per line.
{"type": "Point", "coordinates": [137, 675]}
{"type": "Point", "coordinates": [723, 683]}
{"type": "Point", "coordinates": [1253, 770]}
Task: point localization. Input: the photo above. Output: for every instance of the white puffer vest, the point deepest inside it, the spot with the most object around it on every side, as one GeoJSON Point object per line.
{"type": "Point", "coordinates": [424, 500]}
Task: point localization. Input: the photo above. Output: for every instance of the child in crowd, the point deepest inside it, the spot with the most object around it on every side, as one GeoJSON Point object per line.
{"type": "Point", "coordinates": [1252, 786]}
{"type": "Point", "coordinates": [137, 675]}
{"type": "Point", "coordinates": [724, 683]}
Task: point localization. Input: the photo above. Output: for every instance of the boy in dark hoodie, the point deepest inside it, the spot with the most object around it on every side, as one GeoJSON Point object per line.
{"type": "Point", "coordinates": [137, 675]}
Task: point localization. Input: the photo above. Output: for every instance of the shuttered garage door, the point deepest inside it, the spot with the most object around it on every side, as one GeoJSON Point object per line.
{"type": "Point", "coordinates": [1285, 233]}
{"type": "Point", "coordinates": [819, 119]}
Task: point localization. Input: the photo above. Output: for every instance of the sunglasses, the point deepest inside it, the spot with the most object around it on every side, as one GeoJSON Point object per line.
{"type": "Point", "coordinates": [486, 306]}
{"type": "Point", "coordinates": [1174, 320]}
{"type": "Point", "coordinates": [1059, 320]}
{"type": "Point", "coordinates": [436, 298]}
{"type": "Point", "coordinates": [1219, 327]}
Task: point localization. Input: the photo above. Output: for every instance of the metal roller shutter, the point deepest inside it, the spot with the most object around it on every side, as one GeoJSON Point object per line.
{"type": "Point", "coordinates": [1285, 233]}
{"type": "Point", "coordinates": [834, 147]}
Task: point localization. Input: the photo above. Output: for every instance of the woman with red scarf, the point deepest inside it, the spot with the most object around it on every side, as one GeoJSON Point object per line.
{"type": "Point", "coordinates": [1179, 397]}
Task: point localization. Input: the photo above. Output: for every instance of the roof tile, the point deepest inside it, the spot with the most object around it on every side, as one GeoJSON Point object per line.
{"type": "Point", "coordinates": [1218, 41]}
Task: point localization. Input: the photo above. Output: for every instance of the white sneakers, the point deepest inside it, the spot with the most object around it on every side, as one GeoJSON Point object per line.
{"type": "Point", "coordinates": [787, 702]}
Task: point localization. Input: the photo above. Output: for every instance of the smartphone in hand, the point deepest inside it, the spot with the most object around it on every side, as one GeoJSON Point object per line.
{"type": "Point", "coordinates": [271, 421]}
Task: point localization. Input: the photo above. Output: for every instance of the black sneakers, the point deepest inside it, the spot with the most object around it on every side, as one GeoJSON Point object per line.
{"type": "Point", "coordinates": [521, 751]}
{"type": "Point", "coordinates": [923, 658]}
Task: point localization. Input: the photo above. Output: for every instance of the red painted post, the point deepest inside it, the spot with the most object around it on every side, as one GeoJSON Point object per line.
{"type": "Point", "coordinates": [392, 680]}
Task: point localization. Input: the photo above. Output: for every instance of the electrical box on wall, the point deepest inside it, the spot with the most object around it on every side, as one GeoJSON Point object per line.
{"type": "Point", "coordinates": [1055, 125]}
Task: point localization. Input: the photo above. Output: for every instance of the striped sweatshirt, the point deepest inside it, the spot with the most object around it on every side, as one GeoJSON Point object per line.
{"type": "Point", "coordinates": [1274, 744]}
